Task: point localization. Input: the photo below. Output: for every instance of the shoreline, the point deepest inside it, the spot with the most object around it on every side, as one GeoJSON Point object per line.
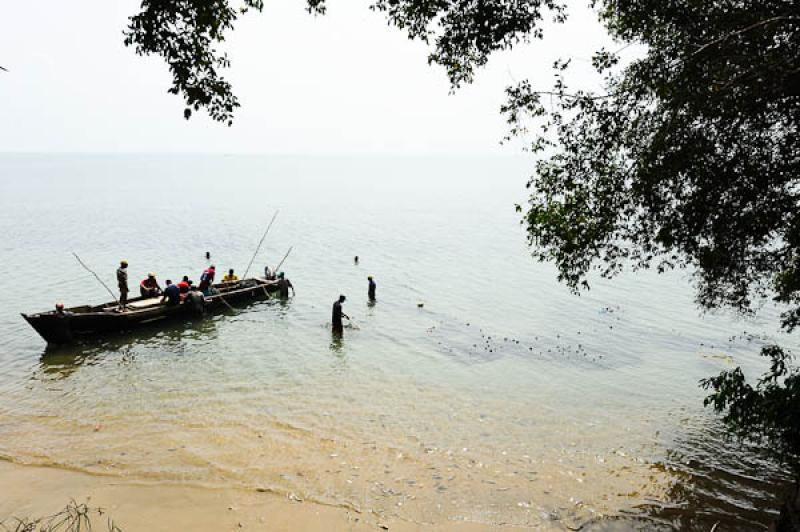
{"type": "Point", "coordinates": [31, 491]}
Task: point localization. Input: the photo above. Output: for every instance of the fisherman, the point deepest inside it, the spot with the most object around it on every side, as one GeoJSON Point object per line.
{"type": "Point", "coordinates": [172, 294]}
{"type": "Point", "coordinates": [207, 279]}
{"type": "Point", "coordinates": [231, 277]}
{"type": "Point", "coordinates": [122, 282]}
{"type": "Point", "coordinates": [268, 274]}
{"type": "Point", "coordinates": [371, 289]}
{"type": "Point", "coordinates": [184, 286]}
{"type": "Point", "coordinates": [283, 286]}
{"type": "Point", "coordinates": [336, 318]}
{"type": "Point", "coordinates": [355, 260]}
{"type": "Point", "coordinates": [60, 312]}
{"type": "Point", "coordinates": [149, 287]}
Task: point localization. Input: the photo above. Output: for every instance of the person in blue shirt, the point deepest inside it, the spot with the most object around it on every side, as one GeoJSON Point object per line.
{"type": "Point", "coordinates": [172, 294]}
{"type": "Point", "coordinates": [207, 279]}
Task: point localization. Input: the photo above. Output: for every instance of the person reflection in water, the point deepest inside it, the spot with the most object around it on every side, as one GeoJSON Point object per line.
{"type": "Point", "coordinates": [336, 317]}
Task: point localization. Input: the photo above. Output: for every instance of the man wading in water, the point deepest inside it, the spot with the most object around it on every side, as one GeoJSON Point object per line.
{"type": "Point", "coordinates": [283, 286]}
{"type": "Point", "coordinates": [122, 282]}
{"type": "Point", "coordinates": [338, 328]}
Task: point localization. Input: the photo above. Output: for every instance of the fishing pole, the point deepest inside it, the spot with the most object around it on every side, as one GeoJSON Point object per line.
{"type": "Point", "coordinates": [95, 276]}
{"type": "Point", "coordinates": [259, 244]}
{"type": "Point", "coordinates": [283, 259]}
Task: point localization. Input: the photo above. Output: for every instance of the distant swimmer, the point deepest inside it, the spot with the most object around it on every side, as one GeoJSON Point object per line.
{"type": "Point", "coordinates": [283, 286]}
{"type": "Point", "coordinates": [149, 287]}
{"type": "Point", "coordinates": [336, 318]}
{"type": "Point", "coordinates": [122, 282]}
{"type": "Point", "coordinates": [172, 294]}
{"type": "Point", "coordinates": [230, 277]}
{"type": "Point", "coordinates": [371, 289]}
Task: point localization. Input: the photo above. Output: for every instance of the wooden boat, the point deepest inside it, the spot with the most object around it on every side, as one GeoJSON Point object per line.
{"type": "Point", "coordinates": [87, 320]}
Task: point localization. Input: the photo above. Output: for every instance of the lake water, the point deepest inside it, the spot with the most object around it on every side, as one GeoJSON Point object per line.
{"type": "Point", "coordinates": [504, 399]}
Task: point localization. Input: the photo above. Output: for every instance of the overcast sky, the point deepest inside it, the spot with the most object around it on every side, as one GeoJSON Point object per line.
{"type": "Point", "coordinates": [341, 83]}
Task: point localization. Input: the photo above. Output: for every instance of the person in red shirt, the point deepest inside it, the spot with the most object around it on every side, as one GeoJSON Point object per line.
{"type": "Point", "coordinates": [149, 287]}
{"type": "Point", "coordinates": [184, 286]}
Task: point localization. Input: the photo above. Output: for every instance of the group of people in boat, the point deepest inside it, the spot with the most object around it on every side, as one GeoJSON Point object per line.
{"type": "Point", "coordinates": [174, 294]}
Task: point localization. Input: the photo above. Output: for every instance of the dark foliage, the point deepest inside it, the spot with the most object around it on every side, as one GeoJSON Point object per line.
{"type": "Point", "coordinates": [464, 33]}
{"type": "Point", "coordinates": [185, 33]}
{"type": "Point", "coordinates": [690, 157]}
{"type": "Point", "coordinates": [768, 414]}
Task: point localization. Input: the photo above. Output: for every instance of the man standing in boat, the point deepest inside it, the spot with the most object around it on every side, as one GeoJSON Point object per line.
{"type": "Point", "coordinates": [122, 282]}
{"type": "Point", "coordinates": [336, 318]}
{"type": "Point", "coordinates": [371, 288]}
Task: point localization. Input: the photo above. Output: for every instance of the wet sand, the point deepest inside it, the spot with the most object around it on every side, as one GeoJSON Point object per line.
{"type": "Point", "coordinates": [31, 492]}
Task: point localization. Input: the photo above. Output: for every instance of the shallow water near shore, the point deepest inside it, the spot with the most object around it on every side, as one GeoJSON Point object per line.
{"type": "Point", "coordinates": [504, 399]}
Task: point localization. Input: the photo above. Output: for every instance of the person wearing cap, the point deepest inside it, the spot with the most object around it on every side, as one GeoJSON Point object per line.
{"type": "Point", "coordinates": [230, 277]}
{"type": "Point", "coordinates": [284, 285]}
{"type": "Point", "coordinates": [60, 312]}
{"type": "Point", "coordinates": [336, 317]}
{"type": "Point", "coordinates": [207, 279]}
{"type": "Point", "coordinates": [122, 282]}
{"type": "Point", "coordinates": [371, 288]}
{"type": "Point", "coordinates": [149, 287]}
{"type": "Point", "coordinates": [184, 286]}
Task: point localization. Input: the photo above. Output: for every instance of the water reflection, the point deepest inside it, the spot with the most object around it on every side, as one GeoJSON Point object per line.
{"type": "Point", "coordinates": [716, 483]}
{"type": "Point", "coordinates": [60, 362]}
{"type": "Point", "coordinates": [337, 342]}
{"type": "Point", "coordinates": [719, 481]}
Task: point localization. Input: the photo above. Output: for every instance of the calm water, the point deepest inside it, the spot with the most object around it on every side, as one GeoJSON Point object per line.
{"type": "Point", "coordinates": [505, 399]}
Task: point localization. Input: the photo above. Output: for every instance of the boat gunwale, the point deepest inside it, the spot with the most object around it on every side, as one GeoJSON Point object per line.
{"type": "Point", "coordinates": [107, 308]}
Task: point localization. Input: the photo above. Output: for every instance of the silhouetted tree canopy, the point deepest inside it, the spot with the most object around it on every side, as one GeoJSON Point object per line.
{"type": "Point", "coordinates": [687, 158]}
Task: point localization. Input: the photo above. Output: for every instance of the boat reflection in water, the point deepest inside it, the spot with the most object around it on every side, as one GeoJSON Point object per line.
{"type": "Point", "coordinates": [175, 337]}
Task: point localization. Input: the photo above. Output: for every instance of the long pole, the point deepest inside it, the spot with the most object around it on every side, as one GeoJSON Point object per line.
{"type": "Point", "coordinates": [95, 276]}
{"type": "Point", "coordinates": [283, 259]}
{"type": "Point", "coordinates": [259, 245]}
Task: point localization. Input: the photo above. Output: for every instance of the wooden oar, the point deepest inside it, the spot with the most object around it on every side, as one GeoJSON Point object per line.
{"type": "Point", "coordinates": [226, 303]}
{"type": "Point", "coordinates": [95, 276]}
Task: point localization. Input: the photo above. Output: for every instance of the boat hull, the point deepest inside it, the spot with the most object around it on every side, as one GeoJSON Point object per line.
{"type": "Point", "coordinates": [80, 322]}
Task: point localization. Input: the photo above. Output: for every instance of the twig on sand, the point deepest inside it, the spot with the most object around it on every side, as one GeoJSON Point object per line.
{"type": "Point", "coordinates": [73, 518]}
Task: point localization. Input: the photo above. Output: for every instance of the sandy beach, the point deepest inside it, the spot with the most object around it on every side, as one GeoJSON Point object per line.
{"type": "Point", "coordinates": [31, 492]}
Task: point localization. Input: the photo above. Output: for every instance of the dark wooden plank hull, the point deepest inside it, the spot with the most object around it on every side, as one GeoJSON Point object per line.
{"type": "Point", "coordinates": [87, 321]}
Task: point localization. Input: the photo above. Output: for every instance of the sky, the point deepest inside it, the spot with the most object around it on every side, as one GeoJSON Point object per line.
{"type": "Point", "coordinates": [342, 83]}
